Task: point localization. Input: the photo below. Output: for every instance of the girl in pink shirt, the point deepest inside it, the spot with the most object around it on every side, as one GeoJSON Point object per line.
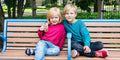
{"type": "Point", "coordinates": [52, 35]}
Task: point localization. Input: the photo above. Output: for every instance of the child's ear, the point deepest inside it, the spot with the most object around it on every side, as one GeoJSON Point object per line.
{"type": "Point", "coordinates": [75, 14]}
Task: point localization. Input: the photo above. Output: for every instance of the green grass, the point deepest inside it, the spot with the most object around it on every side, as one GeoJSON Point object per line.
{"type": "Point", "coordinates": [107, 6]}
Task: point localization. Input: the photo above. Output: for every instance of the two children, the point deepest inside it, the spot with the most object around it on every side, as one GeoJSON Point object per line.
{"type": "Point", "coordinates": [81, 43]}
{"type": "Point", "coordinates": [52, 36]}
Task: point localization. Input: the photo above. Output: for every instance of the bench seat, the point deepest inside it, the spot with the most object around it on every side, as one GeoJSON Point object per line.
{"type": "Point", "coordinates": [20, 54]}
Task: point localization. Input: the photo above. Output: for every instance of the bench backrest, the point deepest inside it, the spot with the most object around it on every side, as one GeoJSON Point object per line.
{"type": "Point", "coordinates": [107, 31]}
{"type": "Point", "coordinates": [22, 34]}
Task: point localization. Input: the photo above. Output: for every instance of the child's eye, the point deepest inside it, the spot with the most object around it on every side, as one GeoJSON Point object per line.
{"type": "Point", "coordinates": [56, 17]}
{"type": "Point", "coordinates": [71, 13]}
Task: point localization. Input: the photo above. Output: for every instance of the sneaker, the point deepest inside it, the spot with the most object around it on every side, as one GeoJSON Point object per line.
{"type": "Point", "coordinates": [74, 53]}
{"type": "Point", "coordinates": [102, 53]}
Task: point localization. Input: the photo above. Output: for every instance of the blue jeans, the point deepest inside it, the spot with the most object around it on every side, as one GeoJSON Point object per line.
{"type": "Point", "coordinates": [46, 48]}
{"type": "Point", "coordinates": [94, 46]}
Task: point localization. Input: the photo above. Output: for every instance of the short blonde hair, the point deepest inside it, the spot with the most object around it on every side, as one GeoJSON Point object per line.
{"type": "Point", "coordinates": [51, 12]}
{"type": "Point", "coordinates": [68, 7]}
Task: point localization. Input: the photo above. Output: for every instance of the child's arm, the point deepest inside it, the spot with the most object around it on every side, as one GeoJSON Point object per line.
{"type": "Point", "coordinates": [85, 35]}
{"type": "Point", "coordinates": [42, 29]}
{"type": "Point", "coordinates": [86, 38]}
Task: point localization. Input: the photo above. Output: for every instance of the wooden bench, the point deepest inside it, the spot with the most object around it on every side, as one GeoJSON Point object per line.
{"type": "Point", "coordinates": [20, 34]}
{"type": "Point", "coordinates": [107, 31]}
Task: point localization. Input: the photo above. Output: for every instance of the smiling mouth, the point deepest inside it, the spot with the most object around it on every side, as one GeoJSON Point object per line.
{"type": "Point", "coordinates": [54, 22]}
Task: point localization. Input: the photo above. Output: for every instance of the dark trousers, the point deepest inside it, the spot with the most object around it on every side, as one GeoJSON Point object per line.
{"type": "Point", "coordinates": [94, 46]}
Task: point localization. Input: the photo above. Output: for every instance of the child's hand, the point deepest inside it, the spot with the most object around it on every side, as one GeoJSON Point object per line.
{"type": "Point", "coordinates": [86, 49]}
{"type": "Point", "coordinates": [44, 27]}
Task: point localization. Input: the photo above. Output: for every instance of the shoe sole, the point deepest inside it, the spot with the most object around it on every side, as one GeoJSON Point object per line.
{"type": "Point", "coordinates": [73, 53]}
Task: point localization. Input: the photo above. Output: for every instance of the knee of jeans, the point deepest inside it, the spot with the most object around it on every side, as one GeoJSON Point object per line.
{"type": "Point", "coordinates": [75, 46]}
{"type": "Point", "coordinates": [100, 45]}
{"type": "Point", "coordinates": [41, 43]}
{"type": "Point", "coordinates": [56, 51]}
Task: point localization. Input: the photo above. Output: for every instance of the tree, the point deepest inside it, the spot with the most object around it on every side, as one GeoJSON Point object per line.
{"type": "Point", "coordinates": [1, 17]}
{"type": "Point", "coordinates": [11, 4]}
{"type": "Point", "coordinates": [20, 8]}
{"type": "Point", "coordinates": [96, 6]}
{"type": "Point", "coordinates": [34, 8]}
{"type": "Point", "coordinates": [84, 4]}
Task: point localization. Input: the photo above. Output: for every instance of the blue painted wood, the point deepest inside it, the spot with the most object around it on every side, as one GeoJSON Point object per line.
{"type": "Point", "coordinates": [69, 36]}
{"type": "Point", "coordinates": [4, 46]}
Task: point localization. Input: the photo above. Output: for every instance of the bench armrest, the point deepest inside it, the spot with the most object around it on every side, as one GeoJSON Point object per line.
{"type": "Point", "coordinates": [4, 43]}
{"type": "Point", "coordinates": [69, 36]}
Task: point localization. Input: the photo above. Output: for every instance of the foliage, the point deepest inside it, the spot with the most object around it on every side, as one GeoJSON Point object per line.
{"type": "Point", "coordinates": [84, 4]}
{"type": "Point", "coordinates": [112, 14]}
{"type": "Point", "coordinates": [49, 3]}
{"type": "Point", "coordinates": [10, 3]}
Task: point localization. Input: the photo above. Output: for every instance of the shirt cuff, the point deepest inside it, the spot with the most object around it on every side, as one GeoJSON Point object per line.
{"type": "Point", "coordinates": [87, 44]}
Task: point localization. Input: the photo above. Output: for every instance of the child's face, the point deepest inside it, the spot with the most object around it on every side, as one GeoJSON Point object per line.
{"type": "Point", "coordinates": [70, 16]}
{"type": "Point", "coordinates": [54, 20]}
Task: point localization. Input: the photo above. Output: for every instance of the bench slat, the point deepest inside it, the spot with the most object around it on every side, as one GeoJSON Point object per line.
{"type": "Point", "coordinates": [23, 48]}
{"type": "Point", "coordinates": [35, 29]}
{"type": "Point", "coordinates": [41, 23]}
{"type": "Point", "coordinates": [32, 40]}
{"type": "Point", "coordinates": [25, 23]}
{"type": "Point", "coordinates": [64, 46]}
{"type": "Point", "coordinates": [23, 40]}
{"type": "Point", "coordinates": [104, 35]}
{"type": "Point", "coordinates": [35, 40]}
{"type": "Point", "coordinates": [107, 40]}
{"type": "Point", "coordinates": [103, 24]}
{"type": "Point", "coordinates": [104, 29]}
{"type": "Point", "coordinates": [28, 29]}
{"type": "Point", "coordinates": [27, 45]}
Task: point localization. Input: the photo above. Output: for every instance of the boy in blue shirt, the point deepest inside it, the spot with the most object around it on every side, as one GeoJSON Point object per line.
{"type": "Point", "coordinates": [81, 43]}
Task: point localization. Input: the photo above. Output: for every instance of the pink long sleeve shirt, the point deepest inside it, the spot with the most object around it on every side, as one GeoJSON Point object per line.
{"type": "Point", "coordinates": [55, 34]}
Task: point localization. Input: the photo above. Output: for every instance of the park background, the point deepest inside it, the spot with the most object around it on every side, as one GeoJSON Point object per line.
{"type": "Point", "coordinates": [37, 9]}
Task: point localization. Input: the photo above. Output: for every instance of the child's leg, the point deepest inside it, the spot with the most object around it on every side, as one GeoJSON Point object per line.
{"type": "Point", "coordinates": [52, 49]}
{"type": "Point", "coordinates": [94, 46]}
{"type": "Point", "coordinates": [79, 47]}
{"type": "Point", "coordinates": [40, 50]}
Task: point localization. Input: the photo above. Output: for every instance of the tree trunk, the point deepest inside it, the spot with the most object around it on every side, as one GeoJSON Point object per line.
{"type": "Point", "coordinates": [34, 8]}
{"type": "Point", "coordinates": [1, 18]}
{"type": "Point", "coordinates": [20, 8]}
{"type": "Point", "coordinates": [119, 4]}
{"type": "Point", "coordinates": [9, 12]}
{"type": "Point", "coordinates": [100, 7]}
{"type": "Point", "coordinates": [115, 5]}
{"type": "Point", "coordinates": [96, 6]}
{"type": "Point", "coordinates": [14, 9]}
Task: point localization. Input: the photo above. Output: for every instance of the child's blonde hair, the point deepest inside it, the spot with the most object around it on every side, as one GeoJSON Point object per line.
{"type": "Point", "coordinates": [51, 12]}
{"type": "Point", "coordinates": [68, 7]}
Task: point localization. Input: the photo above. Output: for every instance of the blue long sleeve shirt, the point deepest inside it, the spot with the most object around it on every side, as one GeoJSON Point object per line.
{"type": "Point", "coordinates": [79, 31]}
